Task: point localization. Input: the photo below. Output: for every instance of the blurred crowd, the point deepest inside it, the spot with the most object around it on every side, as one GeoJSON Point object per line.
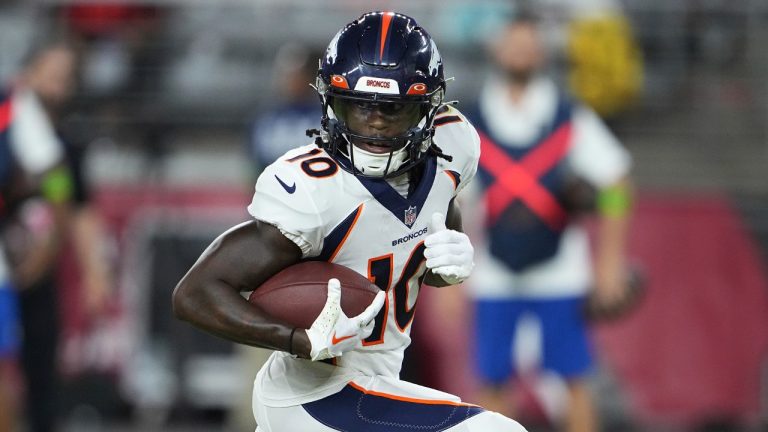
{"type": "Point", "coordinates": [132, 132]}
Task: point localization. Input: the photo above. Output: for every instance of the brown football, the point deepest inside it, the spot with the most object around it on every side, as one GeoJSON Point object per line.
{"type": "Point", "coordinates": [297, 294]}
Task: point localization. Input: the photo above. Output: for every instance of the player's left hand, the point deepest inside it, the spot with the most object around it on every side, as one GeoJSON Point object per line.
{"type": "Point", "coordinates": [449, 253]}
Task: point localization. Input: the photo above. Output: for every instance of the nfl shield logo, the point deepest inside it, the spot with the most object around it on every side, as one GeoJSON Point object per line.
{"type": "Point", "coordinates": [410, 216]}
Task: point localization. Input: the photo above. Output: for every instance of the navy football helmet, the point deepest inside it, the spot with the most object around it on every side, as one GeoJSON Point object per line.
{"type": "Point", "coordinates": [384, 63]}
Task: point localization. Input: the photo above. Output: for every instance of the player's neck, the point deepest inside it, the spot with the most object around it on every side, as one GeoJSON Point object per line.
{"type": "Point", "coordinates": [401, 184]}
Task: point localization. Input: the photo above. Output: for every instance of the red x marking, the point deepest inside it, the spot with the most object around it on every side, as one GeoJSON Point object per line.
{"type": "Point", "coordinates": [520, 179]}
{"type": "Point", "coordinates": [5, 114]}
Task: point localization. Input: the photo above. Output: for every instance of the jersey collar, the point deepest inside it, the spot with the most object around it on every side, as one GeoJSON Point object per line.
{"type": "Point", "coordinates": [406, 210]}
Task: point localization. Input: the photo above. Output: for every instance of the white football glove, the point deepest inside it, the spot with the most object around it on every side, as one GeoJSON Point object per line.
{"type": "Point", "coordinates": [449, 253]}
{"type": "Point", "coordinates": [332, 333]}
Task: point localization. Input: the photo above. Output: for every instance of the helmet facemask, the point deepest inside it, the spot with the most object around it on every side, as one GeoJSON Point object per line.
{"type": "Point", "coordinates": [373, 154]}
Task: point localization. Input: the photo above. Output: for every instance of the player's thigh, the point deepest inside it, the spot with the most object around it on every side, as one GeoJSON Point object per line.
{"type": "Point", "coordinates": [297, 419]}
{"type": "Point", "coordinates": [487, 421]}
{"type": "Point", "coordinates": [284, 419]}
{"type": "Point", "coordinates": [382, 405]}
{"type": "Point", "coordinates": [288, 419]}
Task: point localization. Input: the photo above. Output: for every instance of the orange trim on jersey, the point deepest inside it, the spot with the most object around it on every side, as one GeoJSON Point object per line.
{"type": "Point", "coordinates": [386, 21]}
{"type": "Point", "coordinates": [386, 299]}
{"type": "Point", "coordinates": [408, 290]}
{"type": "Point", "coordinates": [408, 399]}
{"type": "Point", "coordinates": [351, 227]}
{"type": "Point", "coordinates": [453, 179]}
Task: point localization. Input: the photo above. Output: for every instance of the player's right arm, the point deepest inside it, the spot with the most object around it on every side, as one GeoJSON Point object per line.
{"type": "Point", "coordinates": [287, 226]}
{"type": "Point", "coordinates": [242, 258]}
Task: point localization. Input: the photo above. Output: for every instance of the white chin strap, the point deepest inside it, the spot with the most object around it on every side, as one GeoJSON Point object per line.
{"type": "Point", "coordinates": [375, 164]}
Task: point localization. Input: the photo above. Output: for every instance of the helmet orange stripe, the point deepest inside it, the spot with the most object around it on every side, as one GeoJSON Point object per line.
{"type": "Point", "coordinates": [386, 20]}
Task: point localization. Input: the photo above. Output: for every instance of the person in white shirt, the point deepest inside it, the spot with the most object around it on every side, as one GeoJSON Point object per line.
{"type": "Point", "coordinates": [544, 160]}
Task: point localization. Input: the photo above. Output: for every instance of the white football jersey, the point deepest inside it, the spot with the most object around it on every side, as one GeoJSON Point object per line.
{"type": "Point", "coordinates": [365, 225]}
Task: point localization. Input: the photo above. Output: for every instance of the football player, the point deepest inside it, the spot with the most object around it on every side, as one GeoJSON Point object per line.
{"type": "Point", "coordinates": [374, 193]}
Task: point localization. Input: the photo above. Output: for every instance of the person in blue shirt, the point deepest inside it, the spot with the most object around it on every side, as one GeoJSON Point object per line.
{"type": "Point", "coordinates": [295, 110]}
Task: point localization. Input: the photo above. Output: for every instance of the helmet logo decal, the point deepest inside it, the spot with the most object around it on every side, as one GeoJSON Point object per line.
{"type": "Point", "coordinates": [435, 60]}
{"type": "Point", "coordinates": [339, 81]}
{"type": "Point", "coordinates": [377, 85]}
{"type": "Point", "coordinates": [386, 21]}
{"type": "Point", "coordinates": [417, 89]}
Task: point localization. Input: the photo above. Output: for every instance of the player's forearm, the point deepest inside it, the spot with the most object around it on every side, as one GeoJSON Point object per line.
{"type": "Point", "coordinates": [241, 259]}
{"type": "Point", "coordinates": [221, 310]}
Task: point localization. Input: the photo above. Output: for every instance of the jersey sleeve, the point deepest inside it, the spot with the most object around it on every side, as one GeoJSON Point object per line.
{"type": "Point", "coordinates": [597, 155]}
{"type": "Point", "coordinates": [459, 139]}
{"type": "Point", "coordinates": [473, 156]}
{"type": "Point", "coordinates": [33, 140]}
{"type": "Point", "coordinates": [283, 198]}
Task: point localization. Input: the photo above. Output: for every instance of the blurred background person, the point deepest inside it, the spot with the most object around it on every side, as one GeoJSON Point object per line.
{"type": "Point", "coordinates": [293, 106]}
{"type": "Point", "coordinates": [545, 161]}
{"type": "Point", "coordinates": [37, 188]}
{"type": "Point", "coordinates": [8, 350]}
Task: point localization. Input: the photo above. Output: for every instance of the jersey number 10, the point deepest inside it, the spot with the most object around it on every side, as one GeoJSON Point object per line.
{"type": "Point", "coordinates": [380, 271]}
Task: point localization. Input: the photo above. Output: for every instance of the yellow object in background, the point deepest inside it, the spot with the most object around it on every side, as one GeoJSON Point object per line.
{"type": "Point", "coordinates": [606, 67]}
